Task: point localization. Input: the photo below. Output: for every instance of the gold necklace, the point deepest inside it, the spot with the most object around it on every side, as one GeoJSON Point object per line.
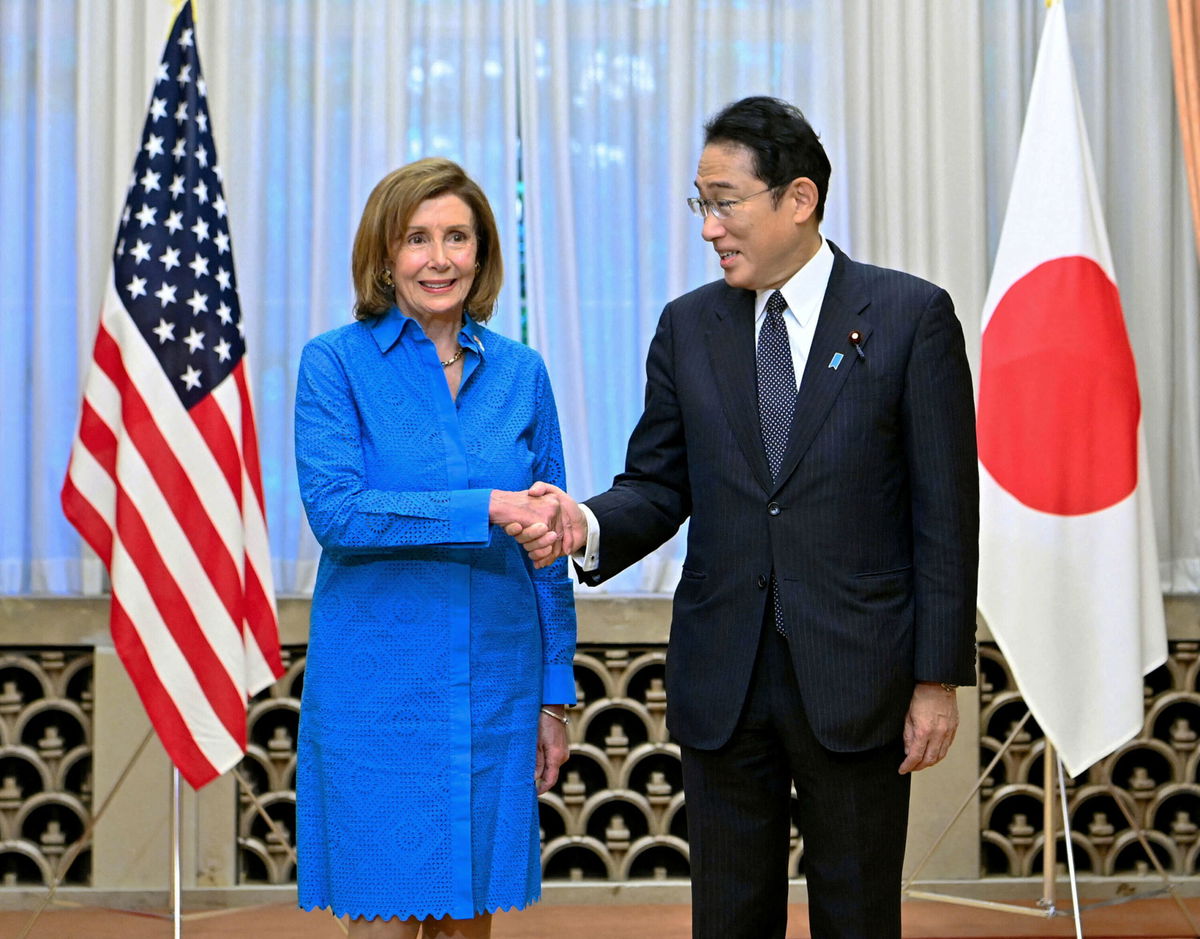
{"type": "Point", "coordinates": [454, 358]}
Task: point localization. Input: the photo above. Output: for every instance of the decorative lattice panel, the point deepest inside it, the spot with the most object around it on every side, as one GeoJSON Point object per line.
{"type": "Point", "coordinates": [618, 813]}
{"type": "Point", "coordinates": [270, 769]}
{"type": "Point", "coordinates": [45, 765]}
{"type": "Point", "coordinates": [1157, 775]}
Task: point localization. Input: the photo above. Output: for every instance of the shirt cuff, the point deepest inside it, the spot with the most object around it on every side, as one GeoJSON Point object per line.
{"type": "Point", "coordinates": [469, 516]}
{"type": "Point", "coordinates": [588, 557]}
{"type": "Point", "coordinates": [558, 684]}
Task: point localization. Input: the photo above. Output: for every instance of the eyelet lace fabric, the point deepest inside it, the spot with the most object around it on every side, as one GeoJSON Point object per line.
{"type": "Point", "coordinates": [433, 641]}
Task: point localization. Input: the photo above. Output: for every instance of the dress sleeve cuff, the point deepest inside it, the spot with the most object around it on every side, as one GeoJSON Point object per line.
{"type": "Point", "coordinates": [558, 684]}
{"type": "Point", "coordinates": [469, 516]}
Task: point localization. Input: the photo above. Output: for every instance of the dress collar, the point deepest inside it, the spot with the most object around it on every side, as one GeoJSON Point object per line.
{"type": "Point", "coordinates": [392, 325]}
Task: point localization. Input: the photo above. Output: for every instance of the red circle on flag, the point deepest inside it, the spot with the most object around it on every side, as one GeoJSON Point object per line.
{"type": "Point", "coordinates": [1058, 394]}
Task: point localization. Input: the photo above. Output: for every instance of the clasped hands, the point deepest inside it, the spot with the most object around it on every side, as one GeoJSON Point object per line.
{"type": "Point", "coordinates": [543, 518]}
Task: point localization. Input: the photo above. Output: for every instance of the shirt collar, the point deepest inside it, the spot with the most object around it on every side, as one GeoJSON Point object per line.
{"type": "Point", "coordinates": [805, 290]}
{"type": "Point", "coordinates": [388, 328]}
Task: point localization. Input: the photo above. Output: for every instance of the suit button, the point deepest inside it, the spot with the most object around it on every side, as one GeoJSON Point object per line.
{"type": "Point", "coordinates": [773, 508]}
{"type": "Point", "coordinates": [762, 581]}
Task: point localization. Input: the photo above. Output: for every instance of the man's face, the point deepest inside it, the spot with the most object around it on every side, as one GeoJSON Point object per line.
{"type": "Point", "coordinates": [760, 244]}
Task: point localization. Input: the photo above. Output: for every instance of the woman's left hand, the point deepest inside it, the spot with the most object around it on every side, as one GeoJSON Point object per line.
{"type": "Point", "coordinates": [552, 751]}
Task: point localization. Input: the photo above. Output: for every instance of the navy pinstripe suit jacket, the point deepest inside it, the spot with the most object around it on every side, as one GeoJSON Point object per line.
{"type": "Point", "coordinates": [871, 525]}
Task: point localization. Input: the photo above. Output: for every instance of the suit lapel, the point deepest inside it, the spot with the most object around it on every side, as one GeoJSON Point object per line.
{"type": "Point", "coordinates": [840, 313]}
{"type": "Point", "coordinates": [731, 351]}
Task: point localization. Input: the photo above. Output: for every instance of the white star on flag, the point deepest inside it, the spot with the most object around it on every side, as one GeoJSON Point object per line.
{"type": "Point", "coordinates": [166, 293]}
{"type": "Point", "coordinates": [198, 302]}
{"type": "Point", "coordinates": [164, 331]}
{"type": "Point", "coordinates": [191, 377]}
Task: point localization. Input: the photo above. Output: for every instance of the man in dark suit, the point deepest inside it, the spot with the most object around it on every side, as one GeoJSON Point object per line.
{"type": "Point", "coordinates": [814, 418]}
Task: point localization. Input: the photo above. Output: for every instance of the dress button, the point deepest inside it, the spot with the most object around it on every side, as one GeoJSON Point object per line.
{"type": "Point", "coordinates": [762, 581]}
{"type": "Point", "coordinates": [773, 508]}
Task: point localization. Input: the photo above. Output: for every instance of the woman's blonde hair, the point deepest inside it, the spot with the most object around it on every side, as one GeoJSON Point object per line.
{"type": "Point", "coordinates": [385, 218]}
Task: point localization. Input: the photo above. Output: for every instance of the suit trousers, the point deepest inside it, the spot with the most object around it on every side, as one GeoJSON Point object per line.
{"type": "Point", "coordinates": [851, 809]}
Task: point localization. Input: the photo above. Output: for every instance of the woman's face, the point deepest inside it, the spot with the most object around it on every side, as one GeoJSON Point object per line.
{"type": "Point", "coordinates": [433, 263]}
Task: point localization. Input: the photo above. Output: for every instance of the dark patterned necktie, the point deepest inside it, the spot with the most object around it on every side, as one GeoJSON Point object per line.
{"type": "Point", "coordinates": [776, 382]}
{"type": "Point", "coordinates": [776, 402]}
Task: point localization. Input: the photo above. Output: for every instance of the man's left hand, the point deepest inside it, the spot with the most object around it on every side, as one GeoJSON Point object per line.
{"type": "Point", "coordinates": [930, 726]}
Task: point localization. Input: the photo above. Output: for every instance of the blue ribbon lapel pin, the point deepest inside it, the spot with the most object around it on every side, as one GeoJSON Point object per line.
{"type": "Point", "coordinates": [836, 360]}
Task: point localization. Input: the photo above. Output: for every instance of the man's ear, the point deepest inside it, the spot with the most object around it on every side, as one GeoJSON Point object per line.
{"type": "Point", "coordinates": [803, 196]}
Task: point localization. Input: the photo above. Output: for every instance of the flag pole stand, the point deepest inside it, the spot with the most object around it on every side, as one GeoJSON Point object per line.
{"type": "Point", "coordinates": [177, 914]}
{"type": "Point", "coordinates": [1047, 905]}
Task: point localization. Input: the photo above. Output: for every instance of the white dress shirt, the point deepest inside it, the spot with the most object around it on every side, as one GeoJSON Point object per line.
{"type": "Point", "coordinates": [804, 292]}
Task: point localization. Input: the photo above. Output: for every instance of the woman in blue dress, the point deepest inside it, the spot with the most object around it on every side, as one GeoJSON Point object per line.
{"type": "Point", "coordinates": [439, 659]}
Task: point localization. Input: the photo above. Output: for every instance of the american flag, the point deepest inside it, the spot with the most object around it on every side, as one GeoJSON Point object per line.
{"type": "Point", "coordinates": [164, 480]}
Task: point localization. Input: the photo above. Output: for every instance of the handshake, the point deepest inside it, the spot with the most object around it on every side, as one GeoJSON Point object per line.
{"type": "Point", "coordinates": [543, 518]}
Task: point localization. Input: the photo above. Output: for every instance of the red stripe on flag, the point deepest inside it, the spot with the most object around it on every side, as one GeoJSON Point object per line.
{"type": "Point", "coordinates": [227, 700]}
{"type": "Point", "coordinates": [98, 438]}
{"type": "Point", "coordinates": [90, 523]}
{"type": "Point", "coordinates": [260, 618]}
{"type": "Point", "coordinates": [174, 483]}
{"type": "Point", "coordinates": [169, 724]}
{"type": "Point", "coordinates": [250, 438]}
{"type": "Point", "coordinates": [218, 436]}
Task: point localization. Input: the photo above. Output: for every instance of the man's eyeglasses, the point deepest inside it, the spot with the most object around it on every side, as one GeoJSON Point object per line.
{"type": "Point", "coordinates": [720, 208]}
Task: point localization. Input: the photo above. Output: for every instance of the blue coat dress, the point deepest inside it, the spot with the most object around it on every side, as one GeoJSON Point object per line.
{"type": "Point", "coordinates": [433, 642]}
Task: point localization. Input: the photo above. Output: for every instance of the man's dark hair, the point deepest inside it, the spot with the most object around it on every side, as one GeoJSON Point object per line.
{"type": "Point", "coordinates": [782, 142]}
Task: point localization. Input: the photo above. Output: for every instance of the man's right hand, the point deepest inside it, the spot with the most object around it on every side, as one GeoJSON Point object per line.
{"type": "Point", "coordinates": [523, 511]}
{"type": "Point", "coordinates": [545, 542]}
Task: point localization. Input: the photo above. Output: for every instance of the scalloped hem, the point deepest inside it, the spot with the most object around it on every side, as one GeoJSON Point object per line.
{"type": "Point", "coordinates": [416, 914]}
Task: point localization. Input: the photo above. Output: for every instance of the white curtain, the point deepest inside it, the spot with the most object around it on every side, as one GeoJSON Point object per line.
{"type": "Point", "coordinates": [915, 168]}
{"type": "Point", "coordinates": [590, 114]}
{"type": "Point", "coordinates": [613, 99]}
{"type": "Point", "coordinates": [311, 104]}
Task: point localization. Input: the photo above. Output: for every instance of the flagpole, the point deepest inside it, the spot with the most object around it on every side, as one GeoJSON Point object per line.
{"type": "Point", "coordinates": [176, 911]}
{"type": "Point", "coordinates": [1062, 792]}
{"type": "Point", "coordinates": [1049, 829]}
